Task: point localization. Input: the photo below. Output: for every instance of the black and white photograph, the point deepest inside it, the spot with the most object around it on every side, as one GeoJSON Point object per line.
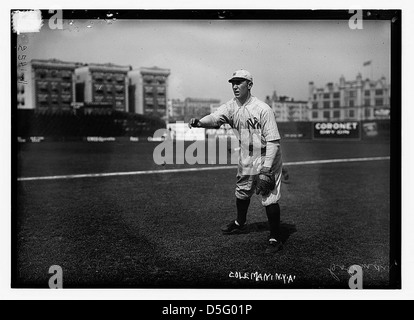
{"type": "Point", "coordinates": [206, 149]}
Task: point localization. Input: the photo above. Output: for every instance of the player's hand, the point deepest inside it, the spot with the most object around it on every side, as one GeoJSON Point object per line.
{"type": "Point", "coordinates": [193, 123]}
{"type": "Point", "coordinates": [266, 182]}
{"type": "Point", "coordinates": [285, 173]}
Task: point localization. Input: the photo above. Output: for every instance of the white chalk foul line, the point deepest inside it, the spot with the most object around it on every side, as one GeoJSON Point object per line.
{"type": "Point", "coordinates": [335, 161]}
{"type": "Point", "coordinates": [111, 174]}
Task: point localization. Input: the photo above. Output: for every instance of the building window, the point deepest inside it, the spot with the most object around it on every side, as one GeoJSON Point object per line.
{"type": "Point", "coordinates": [41, 73]}
{"type": "Point", "coordinates": [367, 93]}
{"type": "Point", "coordinates": [351, 113]}
{"type": "Point", "coordinates": [326, 95]}
{"type": "Point", "coordinates": [326, 114]}
{"type": "Point", "coordinates": [336, 95]}
{"type": "Point", "coordinates": [98, 88]}
{"type": "Point", "coordinates": [119, 89]}
{"type": "Point", "coordinates": [148, 79]}
{"type": "Point", "coordinates": [65, 87]}
{"type": "Point", "coordinates": [336, 114]}
{"type": "Point", "coordinates": [66, 97]}
{"type": "Point", "coordinates": [66, 75]}
{"type": "Point", "coordinates": [43, 86]}
{"type": "Point", "coordinates": [351, 103]}
{"type": "Point", "coordinates": [315, 96]}
{"type": "Point", "coordinates": [119, 78]}
{"type": "Point", "coordinates": [367, 112]}
{"type": "Point", "coordinates": [109, 89]}
{"type": "Point", "coordinates": [42, 97]}
{"type": "Point", "coordinates": [379, 92]}
{"type": "Point", "coordinates": [160, 79]}
{"type": "Point", "coordinates": [160, 90]}
{"type": "Point", "coordinates": [98, 77]}
{"type": "Point", "coordinates": [148, 89]}
{"type": "Point", "coordinates": [326, 105]}
{"type": "Point", "coordinates": [54, 99]}
{"type": "Point", "coordinates": [367, 102]}
{"type": "Point", "coordinates": [54, 86]}
{"type": "Point", "coordinates": [315, 105]}
{"type": "Point", "coordinates": [54, 74]}
{"type": "Point", "coordinates": [352, 94]}
{"type": "Point", "coordinates": [336, 104]}
{"type": "Point", "coordinates": [379, 102]}
{"type": "Point", "coordinates": [149, 101]}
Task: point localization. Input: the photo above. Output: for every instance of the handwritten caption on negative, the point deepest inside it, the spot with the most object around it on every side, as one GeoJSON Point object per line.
{"type": "Point", "coordinates": [258, 276]}
{"type": "Point", "coordinates": [334, 269]}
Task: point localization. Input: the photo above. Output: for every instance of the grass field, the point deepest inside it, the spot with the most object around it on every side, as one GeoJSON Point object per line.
{"type": "Point", "coordinates": [163, 230]}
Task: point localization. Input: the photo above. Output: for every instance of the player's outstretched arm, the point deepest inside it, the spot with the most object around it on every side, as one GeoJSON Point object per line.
{"type": "Point", "coordinates": [271, 151]}
{"type": "Point", "coordinates": [205, 122]}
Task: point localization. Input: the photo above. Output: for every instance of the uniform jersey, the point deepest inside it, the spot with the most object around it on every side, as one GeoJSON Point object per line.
{"type": "Point", "coordinates": [253, 116]}
{"type": "Point", "coordinates": [254, 124]}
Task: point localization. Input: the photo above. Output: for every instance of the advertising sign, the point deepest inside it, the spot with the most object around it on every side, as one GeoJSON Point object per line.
{"type": "Point", "coordinates": [337, 130]}
{"type": "Point", "coordinates": [181, 131]}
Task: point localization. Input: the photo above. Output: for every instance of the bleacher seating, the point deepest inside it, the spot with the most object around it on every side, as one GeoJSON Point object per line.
{"type": "Point", "coordinates": [66, 123]}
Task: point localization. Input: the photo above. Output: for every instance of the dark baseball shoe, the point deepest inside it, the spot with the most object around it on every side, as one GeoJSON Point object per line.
{"type": "Point", "coordinates": [274, 246]}
{"type": "Point", "coordinates": [233, 228]}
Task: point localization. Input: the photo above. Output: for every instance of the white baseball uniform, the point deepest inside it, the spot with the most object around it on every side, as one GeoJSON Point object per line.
{"type": "Point", "coordinates": [254, 124]}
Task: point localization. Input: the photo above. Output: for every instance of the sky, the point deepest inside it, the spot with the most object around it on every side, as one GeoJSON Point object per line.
{"type": "Point", "coordinates": [282, 55]}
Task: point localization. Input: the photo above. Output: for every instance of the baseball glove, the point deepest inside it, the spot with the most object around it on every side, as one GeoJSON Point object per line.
{"type": "Point", "coordinates": [266, 181]}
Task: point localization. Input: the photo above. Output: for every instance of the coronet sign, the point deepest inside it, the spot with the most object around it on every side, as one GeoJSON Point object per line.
{"type": "Point", "coordinates": [337, 129]}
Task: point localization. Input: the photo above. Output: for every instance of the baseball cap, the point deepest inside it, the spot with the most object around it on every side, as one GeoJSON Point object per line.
{"type": "Point", "coordinates": [241, 74]}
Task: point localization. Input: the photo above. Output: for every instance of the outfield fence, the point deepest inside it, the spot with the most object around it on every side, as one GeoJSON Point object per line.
{"type": "Point", "coordinates": [66, 125]}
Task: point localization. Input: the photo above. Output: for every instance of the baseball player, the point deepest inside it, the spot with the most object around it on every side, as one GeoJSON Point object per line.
{"type": "Point", "coordinates": [260, 159]}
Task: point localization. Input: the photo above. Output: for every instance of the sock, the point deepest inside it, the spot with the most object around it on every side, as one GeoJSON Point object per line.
{"type": "Point", "coordinates": [273, 216]}
{"type": "Point", "coordinates": [242, 206]}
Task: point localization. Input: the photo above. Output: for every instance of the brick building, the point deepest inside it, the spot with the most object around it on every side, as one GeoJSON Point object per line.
{"type": "Point", "coordinates": [287, 109]}
{"type": "Point", "coordinates": [149, 91]}
{"type": "Point", "coordinates": [103, 85]}
{"type": "Point", "coordinates": [350, 100]}
{"type": "Point", "coordinates": [46, 84]}
{"type": "Point", "coordinates": [176, 110]}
